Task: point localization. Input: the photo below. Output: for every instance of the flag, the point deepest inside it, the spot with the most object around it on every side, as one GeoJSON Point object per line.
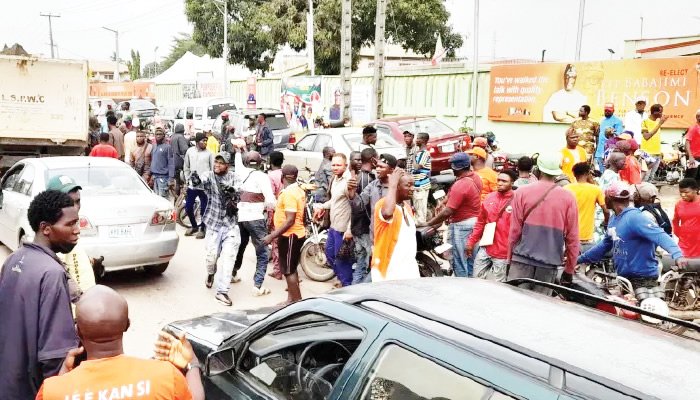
{"type": "Point", "coordinates": [439, 52]}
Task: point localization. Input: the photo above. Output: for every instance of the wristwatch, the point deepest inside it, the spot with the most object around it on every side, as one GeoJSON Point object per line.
{"type": "Point", "coordinates": [191, 365]}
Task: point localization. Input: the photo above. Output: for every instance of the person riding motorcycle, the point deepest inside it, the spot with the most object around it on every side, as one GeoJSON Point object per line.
{"type": "Point", "coordinates": [633, 239]}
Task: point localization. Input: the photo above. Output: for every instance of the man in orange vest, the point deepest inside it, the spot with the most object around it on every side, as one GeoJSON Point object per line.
{"type": "Point", "coordinates": [572, 154]}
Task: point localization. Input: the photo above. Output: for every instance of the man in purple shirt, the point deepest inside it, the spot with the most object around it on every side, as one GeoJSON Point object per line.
{"type": "Point", "coordinates": [37, 327]}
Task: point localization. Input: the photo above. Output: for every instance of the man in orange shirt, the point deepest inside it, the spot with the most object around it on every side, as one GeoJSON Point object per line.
{"type": "Point", "coordinates": [489, 177]}
{"type": "Point", "coordinates": [104, 149]}
{"type": "Point", "coordinates": [572, 154]}
{"type": "Point", "coordinates": [289, 229]}
{"type": "Point", "coordinates": [102, 318]}
{"type": "Point", "coordinates": [632, 171]}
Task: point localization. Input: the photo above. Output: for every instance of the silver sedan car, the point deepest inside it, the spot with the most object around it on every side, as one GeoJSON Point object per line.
{"type": "Point", "coordinates": [121, 219]}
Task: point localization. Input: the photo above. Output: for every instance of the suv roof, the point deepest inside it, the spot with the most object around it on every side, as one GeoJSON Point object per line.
{"type": "Point", "coordinates": [617, 351]}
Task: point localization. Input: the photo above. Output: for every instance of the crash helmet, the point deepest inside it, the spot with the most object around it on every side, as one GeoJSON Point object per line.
{"type": "Point", "coordinates": [655, 305]}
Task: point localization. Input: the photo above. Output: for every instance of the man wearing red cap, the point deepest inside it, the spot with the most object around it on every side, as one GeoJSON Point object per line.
{"type": "Point", "coordinates": [484, 144]}
{"type": "Point", "coordinates": [610, 126]}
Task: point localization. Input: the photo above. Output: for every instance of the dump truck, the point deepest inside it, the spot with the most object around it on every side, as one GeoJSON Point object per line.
{"type": "Point", "coordinates": [43, 108]}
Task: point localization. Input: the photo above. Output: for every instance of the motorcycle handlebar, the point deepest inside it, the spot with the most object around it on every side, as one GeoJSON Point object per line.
{"type": "Point", "coordinates": [693, 266]}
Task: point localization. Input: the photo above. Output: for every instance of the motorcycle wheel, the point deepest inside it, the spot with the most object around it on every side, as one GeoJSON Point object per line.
{"type": "Point", "coordinates": [313, 261]}
{"type": "Point", "coordinates": [184, 220]}
{"type": "Point", "coordinates": [427, 267]}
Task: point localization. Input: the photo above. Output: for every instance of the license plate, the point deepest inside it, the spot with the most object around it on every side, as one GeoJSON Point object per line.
{"type": "Point", "coordinates": [121, 231]}
{"type": "Point", "coordinates": [447, 148]}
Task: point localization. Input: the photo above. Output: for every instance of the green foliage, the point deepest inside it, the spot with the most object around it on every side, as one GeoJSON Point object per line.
{"type": "Point", "coordinates": [257, 29]}
{"type": "Point", "coordinates": [134, 65]}
{"type": "Point", "coordinates": [181, 45]}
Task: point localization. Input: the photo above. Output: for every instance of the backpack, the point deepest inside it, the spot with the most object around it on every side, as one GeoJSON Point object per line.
{"type": "Point", "coordinates": [661, 217]}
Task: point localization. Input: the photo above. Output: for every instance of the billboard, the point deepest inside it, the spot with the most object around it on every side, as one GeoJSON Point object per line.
{"type": "Point", "coordinates": [301, 100]}
{"type": "Point", "coordinates": [553, 92]}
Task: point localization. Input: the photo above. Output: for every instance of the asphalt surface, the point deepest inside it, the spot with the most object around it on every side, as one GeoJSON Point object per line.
{"type": "Point", "coordinates": [179, 293]}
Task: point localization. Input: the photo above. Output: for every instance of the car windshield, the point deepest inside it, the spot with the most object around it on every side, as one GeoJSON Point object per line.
{"type": "Point", "coordinates": [103, 181]}
{"type": "Point", "coordinates": [432, 127]}
{"type": "Point", "coordinates": [383, 140]}
{"type": "Point", "coordinates": [216, 109]}
{"type": "Point", "coordinates": [136, 105]}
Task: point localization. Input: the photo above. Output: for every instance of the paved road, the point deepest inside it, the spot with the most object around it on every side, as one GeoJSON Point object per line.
{"type": "Point", "coordinates": [180, 293]}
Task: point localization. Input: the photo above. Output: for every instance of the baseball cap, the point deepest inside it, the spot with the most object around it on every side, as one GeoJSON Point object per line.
{"type": "Point", "coordinates": [128, 118]}
{"type": "Point", "coordinates": [253, 158]}
{"type": "Point", "coordinates": [290, 170]}
{"type": "Point", "coordinates": [640, 99]}
{"type": "Point", "coordinates": [618, 190]}
{"type": "Point", "coordinates": [389, 160]}
{"type": "Point", "coordinates": [481, 142]}
{"type": "Point", "coordinates": [479, 152]}
{"type": "Point", "coordinates": [199, 136]}
{"type": "Point", "coordinates": [609, 106]}
{"type": "Point", "coordinates": [179, 128]}
{"type": "Point", "coordinates": [460, 161]}
{"type": "Point", "coordinates": [62, 183]}
{"type": "Point", "coordinates": [224, 114]}
{"type": "Point", "coordinates": [408, 133]}
{"type": "Point", "coordinates": [224, 156]}
{"type": "Point", "coordinates": [550, 163]}
{"type": "Point", "coordinates": [646, 191]}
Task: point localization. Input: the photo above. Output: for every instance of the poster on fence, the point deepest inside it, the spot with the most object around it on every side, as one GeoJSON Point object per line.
{"type": "Point", "coordinates": [301, 100]}
{"type": "Point", "coordinates": [554, 92]}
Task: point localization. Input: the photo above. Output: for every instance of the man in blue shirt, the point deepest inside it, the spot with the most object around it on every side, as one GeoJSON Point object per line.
{"type": "Point", "coordinates": [609, 125]}
{"type": "Point", "coordinates": [162, 165]}
{"type": "Point", "coordinates": [633, 239]}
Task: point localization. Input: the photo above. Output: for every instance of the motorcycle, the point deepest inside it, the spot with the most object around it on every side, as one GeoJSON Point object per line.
{"type": "Point", "coordinates": [439, 186]}
{"type": "Point", "coordinates": [673, 164]}
{"type": "Point", "coordinates": [430, 247]}
{"type": "Point", "coordinates": [313, 253]}
{"type": "Point", "coordinates": [681, 287]}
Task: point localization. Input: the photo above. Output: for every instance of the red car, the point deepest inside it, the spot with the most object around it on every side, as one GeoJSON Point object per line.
{"type": "Point", "coordinates": [444, 141]}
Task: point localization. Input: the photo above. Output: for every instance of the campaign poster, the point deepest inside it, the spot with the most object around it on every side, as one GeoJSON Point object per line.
{"type": "Point", "coordinates": [301, 100]}
{"type": "Point", "coordinates": [554, 92]}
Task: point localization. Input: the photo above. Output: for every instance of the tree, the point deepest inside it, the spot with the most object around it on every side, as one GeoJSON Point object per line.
{"type": "Point", "coordinates": [181, 45]}
{"type": "Point", "coordinates": [134, 65]}
{"type": "Point", "coordinates": [257, 29]}
{"type": "Point", "coordinates": [152, 69]}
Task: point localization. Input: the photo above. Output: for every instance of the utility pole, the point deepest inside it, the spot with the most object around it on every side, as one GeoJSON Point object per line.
{"type": "Point", "coordinates": [579, 32]}
{"type": "Point", "coordinates": [475, 64]}
{"type": "Point", "coordinates": [226, 83]}
{"type": "Point", "coordinates": [310, 39]}
{"type": "Point", "coordinates": [346, 56]}
{"type": "Point", "coordinates": [117, 76]}
{"type": "Point", "coordinates": [49, 16]}
{"type": "Point", "coordinates": [379, 42]}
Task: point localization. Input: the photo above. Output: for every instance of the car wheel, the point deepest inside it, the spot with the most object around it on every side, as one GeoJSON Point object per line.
{"type": "Point", "coordinates": [158, 268]}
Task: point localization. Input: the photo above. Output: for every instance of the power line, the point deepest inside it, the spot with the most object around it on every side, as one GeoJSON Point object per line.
{"type": "Point", "coordinates": [49, 16]}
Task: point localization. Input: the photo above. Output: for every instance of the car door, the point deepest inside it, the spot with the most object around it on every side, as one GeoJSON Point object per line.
{"type": "Point", "coordinates": [302, 151]}
{"type": "Point", "coordinates": [313, 162]}
{"type": "Point", "coordinates": [298, 332]}
{"type": "Point", "coordinates": [13, 202]}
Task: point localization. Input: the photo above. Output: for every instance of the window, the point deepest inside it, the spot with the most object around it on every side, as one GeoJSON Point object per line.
{"type": "Point", "coordinates": [276, 122]}
{"type": "Point", "coordinates": [12, 178]}
{"type": "Point", "coordinates": [104, 181]}
{"type": "Point", "coordinates": [216, 109]}
{"type": "Point", "coordinates": [24, 185]}
{"type": "Point", "coordinates": [306, 143]}
{"type": "Point", "coordinates": [323, 141]}
{"type": "Point", "coordinates": [383, 140]}
{"type": "Point", "coordinates": [590, 389]}
{"type": "Point", "coordinates": [302, 357]}
{"type": "Point", "coordinates": [399, 374]}
{"type": "Point", "coordinates": [189, 112]}
{"type": "Point", "coordinates": [433, 127]}
{"type": "Point", "coordinates": [383, 129]}
{"type": "Point", "coordinates": [180, 113]}
{"type": "Point", "coordinates": [198, 113]}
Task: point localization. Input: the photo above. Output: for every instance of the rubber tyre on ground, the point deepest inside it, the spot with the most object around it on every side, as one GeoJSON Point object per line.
{"type": "Point", "coordinates": [184, 220]}
{"type": "Point", "coordinates": [428, 267]}
{"type": "Point", "coordinates": [157, 269]}
{"type": "Point", "coordinates": [313, 261]}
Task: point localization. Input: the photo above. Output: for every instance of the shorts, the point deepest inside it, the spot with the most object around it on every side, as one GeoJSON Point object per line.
{"type": "Point", "coordinates": [289, 253]}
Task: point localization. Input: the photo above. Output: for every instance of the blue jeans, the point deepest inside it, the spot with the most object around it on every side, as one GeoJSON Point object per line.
{"type": "Point", "coordinates": [363, 251]}
{"type": "Point", "coordinates": [255, 230]}
{"type": "Point", "coordinates": [160, 185]}
{"type": "Point", "coordinates": [459, 232]}
{"type": "Point", "coordinates": [342, 268]}
{"type": "Point", "coordinates": [653, 167]}
{"type": "Point", "coordinates": [191, 195]}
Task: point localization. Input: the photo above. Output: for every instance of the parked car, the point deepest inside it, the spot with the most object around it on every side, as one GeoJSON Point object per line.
{"type": "Point", "coordinates": [143, 108]}
{"type": "Point", "coordinates": [202, 111]}
{"type": "Point", "coordinates": [444, 141]}
{"type": "Point", "coordinates": [244, 121]}
{"type": "Point", "coordinates": [307, 154]}
{"type": "Point", "coordinates": [438, 338]}
{"type": "Point", "coordinates": [121, 219]}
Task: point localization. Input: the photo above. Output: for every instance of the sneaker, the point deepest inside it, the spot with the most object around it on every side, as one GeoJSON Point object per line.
{"type": "Point", "coordinates": [210, 281]}
{"type": "Point", "coordinates": [261, 291]}
{"type": "Point", "coordinates": [191, 231]}
{"type": "Point", "coordinates": [223, 299]}
{"type": "Point", "coordinates": [235, 279]}
{"type": "Point", "coordinates": [200, 235]}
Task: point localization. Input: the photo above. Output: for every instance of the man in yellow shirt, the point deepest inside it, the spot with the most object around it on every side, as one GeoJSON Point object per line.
{"type": "Point", "coordinates": [587, 197]}
{"type": "Point", "coordinates": [572, 154]}
{"type": "Point", "coordinates": [212, 143]}
{"type": "Point", "coordinates": [489, 177]}
{"type": "Point", "coordinates": [651, 138]}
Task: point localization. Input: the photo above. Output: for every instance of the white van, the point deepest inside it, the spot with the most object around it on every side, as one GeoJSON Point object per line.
{"type": "Point", "coordinates": [202, 111]}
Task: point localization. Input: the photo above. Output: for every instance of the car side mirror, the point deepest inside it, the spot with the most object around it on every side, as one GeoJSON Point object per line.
{"type": "Point", "coordinates": [292, 146]}
{"type": "Point", "coordinates": [219, 362]}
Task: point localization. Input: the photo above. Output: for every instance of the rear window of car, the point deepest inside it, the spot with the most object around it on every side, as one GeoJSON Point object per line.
{"type": "Point", "coordinates": [104, 181]}
{"type": "Point", "coordinates": [433, 127]}
{"type": "Point", "coordinates": [383, 140]}
{"type": "Point", "coordinates": [215, 110]}
{"type": "Point", "coordinates": [136, 105]}
{"type": "Point", "coordinates": [276, 122]}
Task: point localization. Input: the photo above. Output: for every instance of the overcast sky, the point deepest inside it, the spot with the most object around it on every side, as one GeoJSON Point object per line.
{"type": "Point", "coordinates": [508, 28]}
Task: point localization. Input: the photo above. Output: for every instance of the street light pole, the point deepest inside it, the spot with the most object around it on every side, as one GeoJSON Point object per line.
{"type": "Point", "coordinates": [155, 61]}
{"type": "Point", "coordinates": [579, 33]}
{"type": "Point", "coordinates": [226, 83]}
{"type": "Point", "coordinates": [116, 54]}
{"type": "Point", "coordinates": [475, 66]}
{"type": "Point", "coordinates": [310, 39]}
